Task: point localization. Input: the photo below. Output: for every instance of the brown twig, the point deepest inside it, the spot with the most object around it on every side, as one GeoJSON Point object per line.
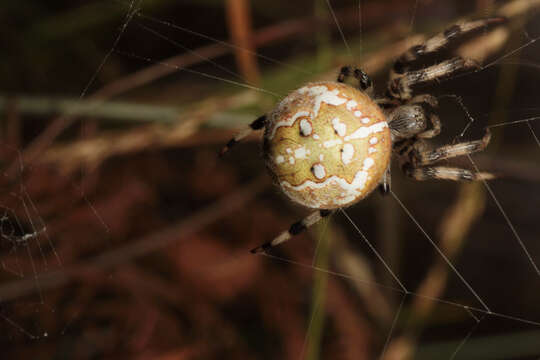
{"type": "Point", "coordinates": [239, 19]}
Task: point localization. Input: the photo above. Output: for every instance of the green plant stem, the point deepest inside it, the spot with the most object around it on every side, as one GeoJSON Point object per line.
{"type": "Point", "coordinates": [320, 281]}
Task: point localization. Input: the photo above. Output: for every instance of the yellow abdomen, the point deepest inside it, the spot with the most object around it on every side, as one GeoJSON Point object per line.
{"type": "Point", "coordinates": [327, 145]}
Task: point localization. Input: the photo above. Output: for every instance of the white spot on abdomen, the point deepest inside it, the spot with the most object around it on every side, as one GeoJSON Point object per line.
{"type": "Point", "coordinates": [300, 153]}
{"type": "Point", "coordinates": [347, 153]}
{"type": "Point", "coordinates": [318, 94]}
{"type": "Point", "coordinates": [318, 171]}
{"type": "Point", "coordinates": [305, 127]}
{"type": "Point", "coordinates": [279, 159]}
{"type": "Point", "coordinates": [365, 131]}
{"type": "Point", "coordinates": [368, 162]}
{"type": "Point", "coordinates": [351, 104]}
{"type": "Point", "coordinates": [339, 127]}
{"type": "Point", "coordinates": [373, 140]}
{"type": "Point", "coordinates": [288, 122]}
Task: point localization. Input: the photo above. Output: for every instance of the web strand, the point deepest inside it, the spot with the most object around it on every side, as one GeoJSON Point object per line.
{"type": "Point", "coordinates": [133, 9]}
{"type": "Point", "coordinates": [448, 262]}
{"type": "Point", "coordinates": [466, 338]}
{"type": "Point", "coordinates": [361, 33]}
{"type": "Point", "coordinates": [392, 327]}
{"type": "Point", "coordinates": [236, 83]}
{"type": "Point", "coordinates": [507, 219]}
{"type": "Point", "coordinates": [345, 42]}
{"type": "Point", "coordinates": [414, 294]}
{"type": "Point", "coordinates": [224, 43]}
{"type": "Point", "coordinates": [375, 251]}
{"type": "Point", "coordinates": [195, 53]}
{"type": "Point", "coordinates": [533, 133]}
{"type": "Point", "coordinates": [506, 123]}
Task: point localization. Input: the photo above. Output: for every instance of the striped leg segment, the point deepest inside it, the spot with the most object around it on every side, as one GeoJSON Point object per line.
{"type": "Point", "coordinates": [400, 87]}
{"type": "Point", "coordinates": [439, 41]}
{"type": "Point", "coordinates": [364, 81]}
{"type": "Point", "coordinates": [401, 76]}
{"type": "Point", "coordinates": [449, 151]}
{"type": "Point", "coordinates": [255, 125]}
{"type": "Point", "coordinates": [295, 229]}
{"type": "Point", "coordinates": [446, 173]}
{"type": "Point", "coordinates": [425, 99]}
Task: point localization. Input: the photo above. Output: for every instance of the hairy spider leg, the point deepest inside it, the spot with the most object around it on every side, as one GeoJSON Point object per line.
{"type": "Point", "coordinates": [414, 158]}
{"type": "Point", "coordinates": [446, 173]}
{"type": "Point", "coordinates": [364, 81]}
{"type": "Point", "coordinates": [401, 78]}
{"type": "Point", "coordinates": [295, 229]}
{"type": "Point", "coordinates": [255, 125]}
{"type": "Point", "coordinates": [427, 157]}
{"type": "Point", "coordinates": [400, 87]}
{"type": "Point", "coordinates": [439, 41]}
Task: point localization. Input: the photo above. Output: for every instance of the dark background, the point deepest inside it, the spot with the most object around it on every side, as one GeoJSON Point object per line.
{"type": "Point", "coordinates": [124, 236]}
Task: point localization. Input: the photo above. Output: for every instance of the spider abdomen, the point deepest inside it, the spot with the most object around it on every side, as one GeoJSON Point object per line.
{"type": "Point", "coordinates": [327, 145]}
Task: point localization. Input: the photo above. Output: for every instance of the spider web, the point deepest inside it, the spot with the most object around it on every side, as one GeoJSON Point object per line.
{"type": "Point", "coordinates": [31, 257]}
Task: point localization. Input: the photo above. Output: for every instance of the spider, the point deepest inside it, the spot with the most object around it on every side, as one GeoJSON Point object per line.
{"type": "Point", "coordinates": [329, 144]}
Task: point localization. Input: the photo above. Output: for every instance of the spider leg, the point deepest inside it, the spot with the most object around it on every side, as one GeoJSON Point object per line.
{"type": "Point", "coordinates": [400, 87]}
{"type": "Point", "coordinates": [386, 103]}
{"type": "Point", "coordinates": [364, 81]}
{"type": "Point", "coordinates": [414, 157]}
{"type": "Point", "coordinates": [427, 157]}
{"type": "Point", "coordinates": [295, 229]}
{"type": "Point", "coordinates": [255, 125]}
{"type": "Point", "coordinates": [439, 41]}
{"type": "Point", "coordinates": [434, 131]}
{"type": "Point", "coordinates": [384, 187]}
{"type": "Point", "coordinates": [446, 173]}
{"type": "Point", "coordinates": [424, 99]}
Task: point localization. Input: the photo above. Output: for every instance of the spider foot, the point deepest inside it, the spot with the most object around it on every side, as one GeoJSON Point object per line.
{"type": "Point", "coordinates": [295, 229]}
{"type": "Point", "coordinates": [227, 147]}
{"type": "Point", "coordinates": [258, 124]}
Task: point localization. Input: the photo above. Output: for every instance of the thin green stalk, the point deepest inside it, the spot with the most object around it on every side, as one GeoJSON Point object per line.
{"type": "Point", "coordinates": [320, 281]}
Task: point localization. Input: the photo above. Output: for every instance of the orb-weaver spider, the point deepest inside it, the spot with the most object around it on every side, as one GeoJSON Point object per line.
{"type": "Point", "coordinates": [328, 144]}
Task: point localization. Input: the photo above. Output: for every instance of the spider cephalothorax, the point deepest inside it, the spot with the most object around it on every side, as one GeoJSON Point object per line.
{"type": "Point", "coordinates": [328, 144]}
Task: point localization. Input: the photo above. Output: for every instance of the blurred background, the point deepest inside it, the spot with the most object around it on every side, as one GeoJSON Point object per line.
{"type": "Point", "coordinates": [123, 235]}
